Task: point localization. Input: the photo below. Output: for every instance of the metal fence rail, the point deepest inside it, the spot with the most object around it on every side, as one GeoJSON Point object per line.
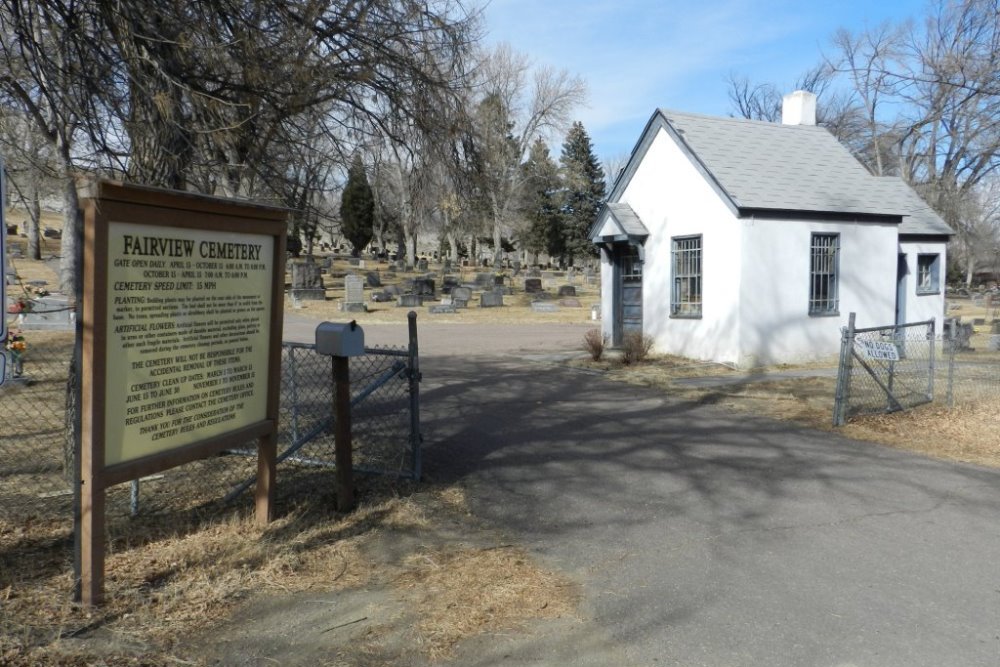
{"type": "Point", "coordinates": [884, 369]}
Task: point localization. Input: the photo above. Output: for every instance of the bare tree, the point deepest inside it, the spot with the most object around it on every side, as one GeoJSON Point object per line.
{"type": "Point", "coordinates": [510, 115]}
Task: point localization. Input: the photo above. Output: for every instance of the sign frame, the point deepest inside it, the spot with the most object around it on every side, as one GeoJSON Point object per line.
{"type": "Point", "coordinates": [116, 202]}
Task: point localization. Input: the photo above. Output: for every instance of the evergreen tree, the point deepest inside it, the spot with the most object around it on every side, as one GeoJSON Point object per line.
{"type": "Point", "coordinates": [541, 203]}
{"type": "Point", "coordinates": [583, 180]}
{"type": "Point", "coordinates": [357, 208]}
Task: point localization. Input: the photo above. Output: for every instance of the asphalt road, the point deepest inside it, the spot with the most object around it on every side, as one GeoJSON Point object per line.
{"type": "Point", "coordinates": [707, 538]}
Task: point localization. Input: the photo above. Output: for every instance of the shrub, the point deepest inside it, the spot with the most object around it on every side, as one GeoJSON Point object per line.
{"type": "Point", "coordinates": [635, 347]}
{"type": "Point", "coordinates": [594, 342]}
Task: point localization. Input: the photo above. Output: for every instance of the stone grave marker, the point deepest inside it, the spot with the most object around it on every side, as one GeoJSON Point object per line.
{"type": "Point", "coordinates": [533, 273]}
{"type": "Point", "coordinates": [533, 285]}
{"type": "Point", "coordinates": [446, 266]}
{"type": "Point", "coordinates": [49, 313]}
{"type": "Point", "coordinates": [570, 303]}
{"type": "Point", "coordinates": [544, 307]}
{"type": "Point", "coordinates": [372, 279]}
{"type": "Point", "coordinates": [307, 281]}
{"type": "Point", "coordinates": [490, 299]}
{"type": "Point", "coordinates": [442, 309]}
{"type": "Point", "coordinates": [448, 284]}
{"type": "Point", "coordinates": [517, 267]}
{"type": "Point", "coordinates": [498, 281]}
{"type": "Point", "coordinates": [381, 296]}
{"type": "Point", "coordinates": [354, 294]}
{"type": "Point", "coordinates": [571, 275]}
{"type": "Point", "coordinates": [393, 290]}
{"type": "Point", "coordinates": [353, 261]}
{"type": "Point", "coordinates": [567, 290]}
{"type": "Point", "coordinates": [460, 296]}
{"type": "Point", "coordinates": [423, 286]}
{"type": "Point", "coordinates": [421, 265]}
{"type": "Point", "coordinates": [484, 280]}
{"type": "Point", "coordinates": [408, 300]}
{"type": "Point", "coordinates": [400, 264]}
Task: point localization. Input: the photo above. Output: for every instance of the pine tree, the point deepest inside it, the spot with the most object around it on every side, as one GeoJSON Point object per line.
{"type": "Point", "coordinates": [357, 208]}
{"type": "Point", "coordinates": [541, 203]}
{"type": "Point", "coordinates": [583, 180]}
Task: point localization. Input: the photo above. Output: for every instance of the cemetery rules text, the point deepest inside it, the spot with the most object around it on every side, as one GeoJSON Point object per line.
{"type": "Point", "coordinates": [188, 336]}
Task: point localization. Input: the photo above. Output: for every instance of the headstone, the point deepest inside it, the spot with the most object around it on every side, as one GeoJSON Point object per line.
{"type": "Point", "coordinates": [441, 309]}
{"type": "Point", "coordinates": [517, 267]}
{"type": "Point", "coordinates": [422, 265]}
{"type": "Point", "coordinates": [307, 281]}
{"type": "Point", "coordinates": [490, 299]}
{"type": "Point", "coordinates": [533, 285]}
{"type": "Point", "coordinates": [595, 311]}
{"type": "Point", "coordinates": [978, 321]}
{"type": "Point", "coordinates": [361, 263]}
{"type": "Point", "coordinates": [393, 290]}
{"type": "Point", "coordinates": [995, 327]}
{"type": "Point", "coordinates": [571, 274]}
{"type": "Point", "coordinates": [544, 307]}
{"type": "Point", "coordinates": [381, 296]}
{"type": "Point", "coordinates": [409, 300]}
{"type": "Point", "coordinates": [446, 267]}
{"type": "Point", "coordinates": [567, 290]}
{"type": "Point", "coordinates": [993, 344]}
{"type": "Point", "coordinates": [400, 265]}
{"type": "Point", "coordinates": [533, 273]}
{"type": "Point", "coordinates": [354, 294]}
{"type": "Point", "coordinates": [52, 313]}
{"type": "Point", "coordinates": [448, 284]}
{"type": "Point", "coordinates": [353, 261]}
{"type": "Point", "coordinates": [372, 279]}
{"type": "Point", "coordinates": [446, 301]}
{"type": "Point", "coordinates": [588, 275]}
{"type": "Point", "coordinates": [484, 280]}
{"type": "Point", "coordinates": [422, 286]}
{"type": "Point", "coordinates": [570, 303]}
{"type": "Point", "coordinates": [498, 281]}
{"type": "Point", "coordinates": [461, 294]}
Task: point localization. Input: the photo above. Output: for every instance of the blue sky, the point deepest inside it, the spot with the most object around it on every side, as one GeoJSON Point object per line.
{"type": "Point", "coordinates": [637, 55]}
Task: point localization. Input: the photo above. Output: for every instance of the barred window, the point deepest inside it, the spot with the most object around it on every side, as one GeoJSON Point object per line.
{"type": "Point", "coordinates": [928, 281]}
{"type": "Point", "coordinates": [685, 300]}
{"type": "Point", "coordinates": [824, 274]}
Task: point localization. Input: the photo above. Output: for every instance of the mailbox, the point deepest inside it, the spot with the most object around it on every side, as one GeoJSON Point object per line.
{"type": "Point", "coordinates": [340, 340]}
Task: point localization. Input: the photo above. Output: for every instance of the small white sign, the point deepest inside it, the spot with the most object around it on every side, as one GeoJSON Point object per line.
{"type": "Point", "coordinates": [879, 350]}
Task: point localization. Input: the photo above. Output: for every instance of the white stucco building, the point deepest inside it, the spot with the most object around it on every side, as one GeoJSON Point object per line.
{"type": "Point", "coordinates": [751, 242]}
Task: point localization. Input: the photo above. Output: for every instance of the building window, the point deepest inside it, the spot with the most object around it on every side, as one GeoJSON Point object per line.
{"type": "Point", "coordinates": [928, 274]}
{"type": "Point", "coordinates": [685, 300]}
{"type": "Point", "coordinates": [824, 274]}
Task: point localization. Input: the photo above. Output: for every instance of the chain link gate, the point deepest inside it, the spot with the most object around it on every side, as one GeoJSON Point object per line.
{"type": "Point", "coordinates": [884, 369]}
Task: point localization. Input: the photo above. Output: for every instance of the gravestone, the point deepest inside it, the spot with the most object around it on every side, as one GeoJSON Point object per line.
{"type": "Point", "coordinates": [517, 267]}
{"type": "Point", "coordinates": [484, 280]}
{"type": "Point", "coordinates": [422, 286]}
{"type": "Point", "coordinates": [544, 307]}
{"type": "Point", "coordinates": [446, 267]}
{"type": "Point", "coordinates": [588, 275]}
{"type": "Point", "coordinates": [400, 265]}
{"type": "Point", "coordinates": [393, 290]}
{"type": "Point", "coordinates": [490, 299]}
{"type": "Point", "coordinates": [533, 273]}
{"type": "Point", "coordinates": [571, 274]}
{"type": "Point", "coordinates": [448, 284]}
{"type": "Point", "coordinates": [372, 279]}
{"type": "Point", "coordinates": [442, 309]}
{"type": "Point", "coordinates": [533, 285]}
{"type": "Point", "coordinates": [570, 303]}
{"type": "Point", "coordinates": [48, 313]}
{"type": "Point", "coordinates": [498, 281]}
{"type": "Point", "coordinates": [567, 290]}
{"type": "Point", "coordinates": [422, 265]}
{"type": "Point", "coordinates": [408, 300]}
{"type": "Point", "coordinates": [307, 281]}
{"type": "Point", "coordinates": [460, 296]}
{"type": "Point", "coordinates": [354, 295]}
{"type": "Point", "coordinates": [381, 296]}
{"type": "Point", "coordinates": [353, 261]}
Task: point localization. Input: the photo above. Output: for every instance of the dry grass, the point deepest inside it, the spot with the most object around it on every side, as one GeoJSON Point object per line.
{"type": "Point", "coordinates": [167, 580]}
{"type": "Point", "coordinates": [449, 588]}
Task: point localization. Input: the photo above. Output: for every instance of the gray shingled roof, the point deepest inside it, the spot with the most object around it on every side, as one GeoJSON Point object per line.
{"type": "Point", "coordinates": [919, 218]}
{"type": "Point", "coordinates": [627, 219]}
{"type": "Point", "coordinates": [763, 165]}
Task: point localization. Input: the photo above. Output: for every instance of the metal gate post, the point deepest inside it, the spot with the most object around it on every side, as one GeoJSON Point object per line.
{"type": "Point", "coordinates": [931, 340]}
{"type": "Point", "coordinates": [414, 371]}
{"type": "Point", "coordinates": [844, 373]}
{"type": "Point", "coordinates": [953, 335]}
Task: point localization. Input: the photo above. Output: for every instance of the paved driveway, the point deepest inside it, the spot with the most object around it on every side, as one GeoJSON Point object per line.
{"type": "Point", "coordinates": [706, 538]}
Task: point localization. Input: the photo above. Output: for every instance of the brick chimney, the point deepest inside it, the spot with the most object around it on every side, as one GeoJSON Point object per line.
{"type": "Point", "coordinates": [798, 108]}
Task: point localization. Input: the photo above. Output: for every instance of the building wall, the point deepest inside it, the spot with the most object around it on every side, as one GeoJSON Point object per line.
{"type": "Point", "coordinates": [672, 198]}
{"type": "Point", "coordinates": [921, 307]}
{"type": "Point", "coordinates": [774, 293]}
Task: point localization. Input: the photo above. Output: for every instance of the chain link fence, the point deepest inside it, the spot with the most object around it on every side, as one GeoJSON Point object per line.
{"type": "Point", "coordinates": [897, 367]}
{"type": "Point", "coordinates": [36, 475]}
{"type": "Point", "coordinates": [885, 369]}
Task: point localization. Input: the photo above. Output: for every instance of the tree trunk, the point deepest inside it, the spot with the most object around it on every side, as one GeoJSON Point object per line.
{"type": "Point", "coordinates": [71, 237]}
{"type": "Point", "coordinates": [453, 247]}
{"type": "Point", "coordinates": [497, 242]}
{"type": "Point", "coordinates": [32, 225]}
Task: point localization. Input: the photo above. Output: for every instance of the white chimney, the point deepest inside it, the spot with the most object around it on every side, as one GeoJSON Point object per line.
{"type": "Point", "coordinates": [798, 108]}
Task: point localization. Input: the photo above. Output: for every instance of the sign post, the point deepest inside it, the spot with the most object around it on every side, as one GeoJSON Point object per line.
{"type": "Point", "coordinates": [3, 271]}
{"type": "Point", "coordinates": [182, 312]}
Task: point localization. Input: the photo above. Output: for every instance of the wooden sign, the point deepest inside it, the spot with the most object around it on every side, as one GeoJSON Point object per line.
{"type": "Point", "coordinates": [182, 312]}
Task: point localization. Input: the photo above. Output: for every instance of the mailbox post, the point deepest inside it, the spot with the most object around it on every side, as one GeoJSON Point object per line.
{"type": "Point", "coordinates": [342, 341]}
